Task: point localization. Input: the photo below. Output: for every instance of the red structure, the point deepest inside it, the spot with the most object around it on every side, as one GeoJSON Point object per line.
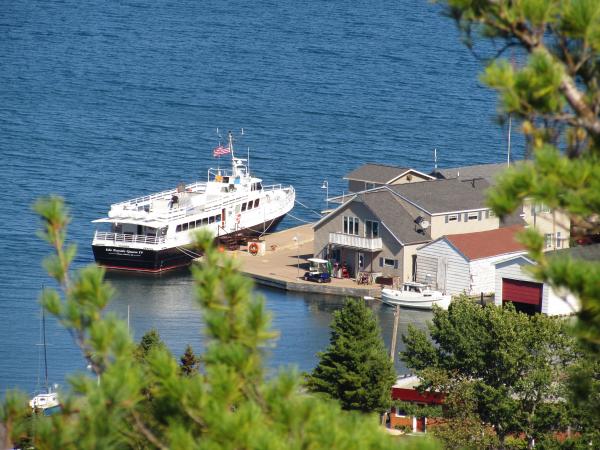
{"type": "Point", "coordinates": [405, 390]}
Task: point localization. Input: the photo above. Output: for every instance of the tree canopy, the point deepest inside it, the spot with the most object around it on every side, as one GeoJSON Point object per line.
{"type": "Point", "coordinates": [151, 404]}
{"type": "Point", "coordinates": [498, 367]}
{"type": "Point", "coordinates": [555, 92]}
{"type": "Point", "coordinates": [355, 369]}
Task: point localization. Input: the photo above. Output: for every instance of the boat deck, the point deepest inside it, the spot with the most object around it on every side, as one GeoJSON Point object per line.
{"type": "Point", "coordinates": [278, 267]}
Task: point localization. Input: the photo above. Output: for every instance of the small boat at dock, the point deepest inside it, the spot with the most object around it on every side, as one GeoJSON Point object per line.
{"type": "Point", "coordinates": [415, 295]}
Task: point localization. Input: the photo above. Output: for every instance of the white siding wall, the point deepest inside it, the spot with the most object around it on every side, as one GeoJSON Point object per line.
{"type": "Point", "coordinates": [552, 304]}
{"type": "Point", "coordinates": [483, 273]}
{"type": "Point", "coordinates": [457, 271]}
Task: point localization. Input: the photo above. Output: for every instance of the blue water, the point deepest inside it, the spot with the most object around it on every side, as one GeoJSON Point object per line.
{"type": "Point", "coordinates": [101, 101]}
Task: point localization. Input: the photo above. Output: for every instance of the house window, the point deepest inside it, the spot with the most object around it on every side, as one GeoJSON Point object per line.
{"type": "Point", "coordinates": [473, 216]}
{"type": "Point", "coordinates": [548, 240]}
{"type": "Point", "coordinates": [492, 213]}
{"type": "Point", "coordinates": [387, 262]}
{"type": "Point", "coordinates": [400, 412]}
{"type": "Point", "coordinates": [369, 186]}
{"type": "Point", "coordinates": [558, 240]}
{"type": "Point", "coordinates": [452, 217]}
{"type": "Point", "coordinates": [371, 229]}
{"type": "Point", "coordinates": [351, 225]}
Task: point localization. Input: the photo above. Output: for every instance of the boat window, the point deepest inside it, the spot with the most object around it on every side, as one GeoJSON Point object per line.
{"type": "Point", "coordinates": [218, 217]}
{"type": "Point", "coordinates": [256, 202]}
{"type": "Point", "coordinates": [205, 221]}
{"type": "Point", "coordinates": [178, 229]}
{"type": "Point", "coordinates": [243, 207]}
{"type": "Point", "coordinates": [211, 219]}
{"type": "Point", "coordinates": [184, 227]}
{"type": "Point", "coordinates": [192, 225]}
{"type": "Point", "coordinates": [259, 186]}
{"type": "Point", "coordinates": [250, 204]}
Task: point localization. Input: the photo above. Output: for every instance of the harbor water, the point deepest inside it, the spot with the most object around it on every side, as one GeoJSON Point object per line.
{"type": "Point", "coordinates": [103, 101]}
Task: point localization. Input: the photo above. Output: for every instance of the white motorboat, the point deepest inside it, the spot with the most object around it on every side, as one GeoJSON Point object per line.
{"type": "Point", "coordinates": [415, 295]}
{"type": "Point", "coordinates": [156, 232]}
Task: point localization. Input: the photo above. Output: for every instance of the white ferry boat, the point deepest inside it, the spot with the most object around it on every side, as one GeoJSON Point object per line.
{"type": "Point", "coordinates": [155, 233]}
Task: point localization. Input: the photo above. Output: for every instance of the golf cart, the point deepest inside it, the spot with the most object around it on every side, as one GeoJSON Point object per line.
{"type": "Point", "coordinates": [318, 271]}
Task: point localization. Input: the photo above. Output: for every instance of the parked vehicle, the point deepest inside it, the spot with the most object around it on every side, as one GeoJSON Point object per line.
{"type": "Point", "coordinates": [318, 271]}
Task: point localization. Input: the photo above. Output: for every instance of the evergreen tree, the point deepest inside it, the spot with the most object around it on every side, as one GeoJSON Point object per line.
{"type": "Point", "coordinates": [502, 368]}
{"type": "Point", "coordinates": [355, 368]}
{"type": "Point", "coordinates": [556, 96]}
{"type": "Point", "coordinates": [149, 341]}
{"type": "Point", "coordinates": [189, 362]}
{"type": "Point", "coordinates": [152, 404]}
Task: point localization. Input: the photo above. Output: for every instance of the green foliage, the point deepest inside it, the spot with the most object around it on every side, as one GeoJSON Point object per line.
{"type": "Point", "coordinates": [355, 369]}
{"type": "Point", "coordinates": [555, 92]}
{"type": "Point", "coordinates": [149, 342]}
{"type": "Point", "coordinates": [142, 398]}
{"type": "Point", "coordinates": [189, 362]}
{"type": "Point", "coordinates": [496, 365]}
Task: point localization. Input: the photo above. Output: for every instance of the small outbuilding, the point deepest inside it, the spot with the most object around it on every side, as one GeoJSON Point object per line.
{"type": "Point", "coordinates": [464, 263]}
{"type": "Point", "coordinates": [514, 284]}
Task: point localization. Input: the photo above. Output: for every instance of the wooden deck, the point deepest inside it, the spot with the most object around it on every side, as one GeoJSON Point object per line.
{"type": "Point", "coordinates": [285, 261]}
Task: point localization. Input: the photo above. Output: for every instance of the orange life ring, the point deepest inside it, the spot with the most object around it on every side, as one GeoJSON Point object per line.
{"type": "Point", "coordinates": [253, 248]}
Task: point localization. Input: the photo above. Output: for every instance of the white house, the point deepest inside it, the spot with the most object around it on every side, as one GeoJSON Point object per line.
{"type": "Point", "coordinates": [464, 263]}
{"type": "Point", "coordinates": [514, 284]}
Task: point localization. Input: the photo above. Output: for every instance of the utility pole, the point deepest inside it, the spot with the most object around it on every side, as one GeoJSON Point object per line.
{"type": "Point", "coordinates": [395, 333]}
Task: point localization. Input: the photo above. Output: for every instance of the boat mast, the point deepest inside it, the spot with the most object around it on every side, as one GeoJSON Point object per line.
{"type": "Point", "coordinates": [45, 353]}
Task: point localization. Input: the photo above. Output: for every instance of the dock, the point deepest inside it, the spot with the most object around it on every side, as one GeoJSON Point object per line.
{"type": "Point", "coordinates": [285, 261]}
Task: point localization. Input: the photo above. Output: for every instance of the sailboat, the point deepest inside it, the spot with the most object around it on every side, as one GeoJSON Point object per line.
{"type": "Point", "coordinates": [47, 399]}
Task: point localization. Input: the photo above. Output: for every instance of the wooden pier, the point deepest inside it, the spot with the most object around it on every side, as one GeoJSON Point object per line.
{"type": "Point", "coordinates": [285, 261]}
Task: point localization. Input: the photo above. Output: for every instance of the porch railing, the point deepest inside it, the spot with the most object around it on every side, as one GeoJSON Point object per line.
{"type": "Point", "coordinates": [361, 243]}
{"type": "Point", "coordinates": [130, 238]}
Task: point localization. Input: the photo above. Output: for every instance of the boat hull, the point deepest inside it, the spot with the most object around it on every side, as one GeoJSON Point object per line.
{"type": "Point", "coordinates": [392, 297]}
{"type": "Point", "coordinates": [155, 261]}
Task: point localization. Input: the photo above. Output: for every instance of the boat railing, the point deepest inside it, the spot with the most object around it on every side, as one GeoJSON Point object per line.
{"type": "Point", "coordinates": [129, 238]}
{"type": "Point", "coordinates": [198, 187]}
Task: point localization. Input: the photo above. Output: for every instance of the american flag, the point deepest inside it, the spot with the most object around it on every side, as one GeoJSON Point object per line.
{"type": "Point", "coordinates": [220, 151]}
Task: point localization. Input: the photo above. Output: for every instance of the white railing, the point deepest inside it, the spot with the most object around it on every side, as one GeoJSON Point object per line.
{"type": "Point", "coordinates": [197, 187]}
{"type": "Point", "coordinates": [130, 238]}
{"type": "Point", "coordinates": [347, 240]}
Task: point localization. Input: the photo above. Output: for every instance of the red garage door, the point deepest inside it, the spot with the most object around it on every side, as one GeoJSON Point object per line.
{"type": "Point", "coordinates": [522, 292]}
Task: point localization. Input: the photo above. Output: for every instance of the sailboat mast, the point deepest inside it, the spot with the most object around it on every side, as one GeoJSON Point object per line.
{"type": "Point", "coordinates": [508, 145]}
{"type": "Point", "coordinates": [45, 354]}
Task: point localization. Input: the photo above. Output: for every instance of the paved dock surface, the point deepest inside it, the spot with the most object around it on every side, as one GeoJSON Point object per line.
{"type": "Point", "coordinates": [285, 261]}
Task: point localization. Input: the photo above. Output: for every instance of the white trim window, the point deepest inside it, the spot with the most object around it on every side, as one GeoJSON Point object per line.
{"type": "Point", "coordinates": [389, 262]}
{"type": "Point", "coordinates": [548, 240]}
{"type": "Point", "coordinates": [351, 225]}
{"type": "Point", "coordinates": [452, 218]}
{"type": "Point", "coordinates": [371, 229]}
{"type": "Point", "coordinates": [473, 216]}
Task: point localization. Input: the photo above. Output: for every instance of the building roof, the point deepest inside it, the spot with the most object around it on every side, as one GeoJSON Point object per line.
{"type": "Point", "coordinates": [387, 207]}
{"type": "Point", "coordinates": [442, 196]}
{"type": "Point", "coordinates": [485, 244]}
{"type": "Point", "coordinates": [583, 252]}
{"type": "Point", "coordinates": [486, 171]}
{"type": "Point", "coordinates": [376, 173]}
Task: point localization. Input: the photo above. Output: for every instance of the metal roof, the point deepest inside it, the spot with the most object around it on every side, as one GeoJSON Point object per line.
{"type": "Point", "coordinates": [376, 173]}
{"type": "Point", "coordinates": [444, 196]}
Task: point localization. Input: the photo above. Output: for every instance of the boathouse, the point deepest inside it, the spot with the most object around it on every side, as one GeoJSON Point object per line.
{"type": "Point", "coordinates": [513, 283]}
{"type": "Point", "coordinates": [464, 263]}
